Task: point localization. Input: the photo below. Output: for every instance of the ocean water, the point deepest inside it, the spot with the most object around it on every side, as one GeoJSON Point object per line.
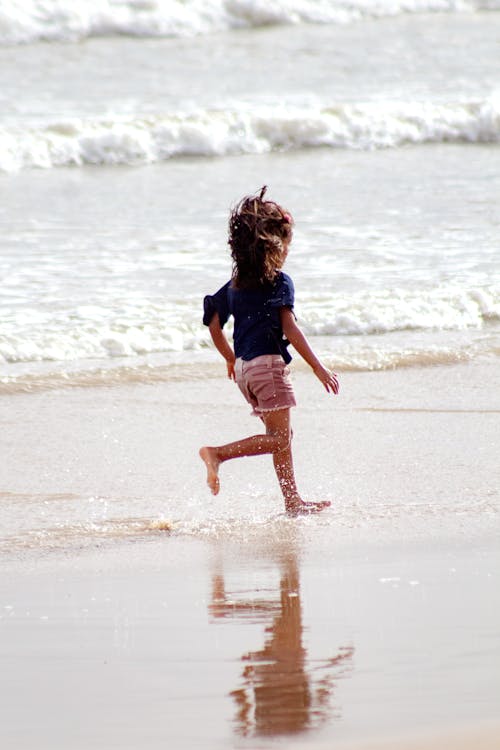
{"type": "Point", "coordinates": [129, 129]}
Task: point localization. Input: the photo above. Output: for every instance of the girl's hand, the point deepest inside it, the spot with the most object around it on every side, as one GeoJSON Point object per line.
{"type": "Point", "coordinates": [301, 345]}
{"type": "Point", "coordinates": [328, 378]}
{"type": "Point", "coordinates": [230, 369]}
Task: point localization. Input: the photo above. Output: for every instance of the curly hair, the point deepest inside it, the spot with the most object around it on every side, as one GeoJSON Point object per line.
{"type": "Point", "coordinates": [257, 230]}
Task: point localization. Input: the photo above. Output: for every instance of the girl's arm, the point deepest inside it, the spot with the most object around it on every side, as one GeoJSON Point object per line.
{"type": "Point", "coordinates": [222, 344]}
{"type": "Point", "coordinates": [301, 345]}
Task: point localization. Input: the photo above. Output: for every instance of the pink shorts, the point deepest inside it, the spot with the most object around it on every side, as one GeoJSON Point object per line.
{"type": "Point", "coordinates": [265, 382]}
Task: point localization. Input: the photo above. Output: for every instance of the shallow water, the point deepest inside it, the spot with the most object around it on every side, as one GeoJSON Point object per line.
{"type": "Point", "coordinates": [106, 467]}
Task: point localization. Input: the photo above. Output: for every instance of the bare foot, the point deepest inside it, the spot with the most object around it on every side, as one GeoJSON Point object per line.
{"type": "Point", "coordinates": [209, 456]}
{"type": "Point", "coordinates": [301, 508]}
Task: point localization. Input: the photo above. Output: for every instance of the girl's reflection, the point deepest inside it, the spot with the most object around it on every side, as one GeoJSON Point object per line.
{"type": "Point", "coordinates": [281, 693]}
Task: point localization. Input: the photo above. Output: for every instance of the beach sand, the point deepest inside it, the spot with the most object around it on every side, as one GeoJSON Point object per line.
{"type": "Point", "coordinates": [373, 625]}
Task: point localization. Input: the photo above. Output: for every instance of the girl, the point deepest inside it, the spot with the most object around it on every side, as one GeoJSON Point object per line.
{"type": "Point", "coordinates": [260, 297]}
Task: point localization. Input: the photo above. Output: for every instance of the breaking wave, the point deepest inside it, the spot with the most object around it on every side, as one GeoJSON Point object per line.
{"type": "Point", "coordinates": [366, 331]}
{"type": "Point", "coordinates": [25, 21]}
{"type": "Point", "coordinates": [357, 314]}
{"type": "Point", "coordinates": [247, 130]}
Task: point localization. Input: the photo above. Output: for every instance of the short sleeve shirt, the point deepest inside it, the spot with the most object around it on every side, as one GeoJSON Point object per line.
{"type": "Point", "coordinates": [256, 313]}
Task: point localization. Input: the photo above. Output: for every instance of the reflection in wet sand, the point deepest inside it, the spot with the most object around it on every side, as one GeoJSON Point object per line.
{"type": "Point", "coordinates": [281, 693]}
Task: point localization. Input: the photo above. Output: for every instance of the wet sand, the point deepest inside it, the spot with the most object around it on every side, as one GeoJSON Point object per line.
{"type": "Point", "coordinates": [375, 624]}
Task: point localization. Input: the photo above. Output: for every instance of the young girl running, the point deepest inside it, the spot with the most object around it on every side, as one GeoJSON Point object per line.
{"type": "Point", "coordinates": [260, 297]}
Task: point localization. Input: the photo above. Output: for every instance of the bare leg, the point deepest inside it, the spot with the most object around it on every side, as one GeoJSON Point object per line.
{"type": "Point", "coordinates": [283, 464]}
{"type": "Point", "coordinates": [277, 441]}
{"type": "Point", "coordinates": [255, 445]}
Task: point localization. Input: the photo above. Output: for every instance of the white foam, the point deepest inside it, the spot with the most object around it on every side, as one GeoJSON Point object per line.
{"type": "Point", "coordinates": [23, 21]}
{"type": "Point", "coordinates": [374, 312]}
{"type": "Point", "coordinates": [246, 129]}
{"type": "Point", "coordinates": [369, 313]}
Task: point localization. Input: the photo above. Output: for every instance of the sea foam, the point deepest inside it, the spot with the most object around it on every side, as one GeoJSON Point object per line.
{"type": "Point", "coordinates": [147, 329]}
{"type": "Point", "coordinates": [24, 21]}
{"type": "Point", "coordinates": [243, 129]}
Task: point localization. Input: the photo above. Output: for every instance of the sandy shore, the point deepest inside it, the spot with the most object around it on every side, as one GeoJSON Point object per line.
{"type": "Point", "coordinates": [373, 625]}
{"type": "Point", "coordinates": [478, 737]}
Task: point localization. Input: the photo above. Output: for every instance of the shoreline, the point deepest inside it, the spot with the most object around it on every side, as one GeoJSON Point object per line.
{"type": "Point", "coordinates": [483, 736]}
{"type": "Point", "coordinates": [374, 624]}
{"type": "Point", "coordinates": [109, 463]}
{"type": "Point", "coordinates": [390, 351]}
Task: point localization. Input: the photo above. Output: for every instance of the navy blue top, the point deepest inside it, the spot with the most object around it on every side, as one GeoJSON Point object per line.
{"type": "Point", "coordinates": [256, 312]}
